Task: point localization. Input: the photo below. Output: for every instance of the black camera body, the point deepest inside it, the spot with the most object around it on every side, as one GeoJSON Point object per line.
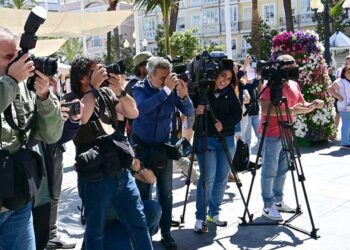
{"type": "Point", "coordinates": [46, 65]}
{"type": "Point", "coordinates": [74, 107]}
{"type": "Point", "coordinates": [276, 75]}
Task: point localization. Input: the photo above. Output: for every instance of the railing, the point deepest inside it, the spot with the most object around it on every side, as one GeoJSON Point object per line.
{"type": "Point", "coordinates": [303, 19]}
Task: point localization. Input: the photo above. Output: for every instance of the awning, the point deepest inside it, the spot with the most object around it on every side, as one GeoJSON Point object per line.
{"type": "Point", "coordinates": [339, 41]}
{"type": "Point", "coordinates": [66, 24]}
{"type": "Point", "coordinates": [47, 47]}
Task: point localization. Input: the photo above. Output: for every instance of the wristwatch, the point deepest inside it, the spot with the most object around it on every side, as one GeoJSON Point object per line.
{"type": "Point", "coordinates": [122, 94]}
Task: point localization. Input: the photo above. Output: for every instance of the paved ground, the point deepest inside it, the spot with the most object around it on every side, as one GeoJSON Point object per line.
{"type": "Point", "coordinates": [327, 171]}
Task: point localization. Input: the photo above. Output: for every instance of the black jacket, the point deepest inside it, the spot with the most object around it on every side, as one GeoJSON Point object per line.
{"type": "Point", "coordinates": [226, 108]}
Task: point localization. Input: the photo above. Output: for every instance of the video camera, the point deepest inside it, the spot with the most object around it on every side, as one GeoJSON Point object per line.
{"type": "Point", "coordinates": [276, 75]}
{"type": "Point", "coordinates": [46, 65]}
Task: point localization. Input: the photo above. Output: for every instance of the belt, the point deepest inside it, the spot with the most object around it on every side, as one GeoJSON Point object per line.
{"type": "Point", "coordinates": [3, 210]}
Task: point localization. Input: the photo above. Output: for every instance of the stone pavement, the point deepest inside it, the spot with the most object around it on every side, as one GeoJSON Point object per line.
{"type": "Point", "coordinates": [327, 172]}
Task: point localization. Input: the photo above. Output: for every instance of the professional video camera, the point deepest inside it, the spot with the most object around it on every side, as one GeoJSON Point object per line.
{"type": "Point", "coordinates": [276, 75]}
{"type": "Point", "coordinates": [46, 65]}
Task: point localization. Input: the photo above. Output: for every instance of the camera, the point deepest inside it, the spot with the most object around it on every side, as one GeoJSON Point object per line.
{"type": "Point", "coordinates": [116, 68]}
{"type": "Point", "coordinates": [74, 107]}
{"type": "Point", "coordinates": [46, 65]}
{"type": "Point", "coordinates": [276, 75]}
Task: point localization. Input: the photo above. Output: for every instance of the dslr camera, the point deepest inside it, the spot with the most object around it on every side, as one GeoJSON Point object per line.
{"type": "Point", "coordinates": [46, 65]}
{"type": "Point", "coordinates": [74, 107]}
{"type": "Point", "coordinates": [117, 68]}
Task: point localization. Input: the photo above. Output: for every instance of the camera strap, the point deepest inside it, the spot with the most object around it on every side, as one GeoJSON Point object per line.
{"type": "Point", "coordinates": [176, 125]}
{"type": "Point", "coordinates": [22, 128]}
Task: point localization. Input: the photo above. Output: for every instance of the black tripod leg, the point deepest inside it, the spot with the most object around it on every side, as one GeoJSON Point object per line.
{"type": "Point", "coordinates": [258, 157]}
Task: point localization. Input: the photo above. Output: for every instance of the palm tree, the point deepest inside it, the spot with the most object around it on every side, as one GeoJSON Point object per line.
{"type": "Point", "coordinates": [20, 4]}
{"type": "Point", "coordinates": [337, 9]}
{"type": "Point", "coordinates": [70, 49]}
{"type": "Point", "coordinates": [174, 12]}
{"type": "Point", "coordinates": [256, 50]}
{"type": "Point", "coordinates": [164, 5]}
{"type": "Point", "coordinates": [289, 15]}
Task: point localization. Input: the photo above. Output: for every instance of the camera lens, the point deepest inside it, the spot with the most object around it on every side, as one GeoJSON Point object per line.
{"type": "Point", "coordinates": [46, 65]}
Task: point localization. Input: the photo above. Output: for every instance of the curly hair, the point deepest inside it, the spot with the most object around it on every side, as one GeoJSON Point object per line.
{"type": "Point", "coordinates": [80, 67]}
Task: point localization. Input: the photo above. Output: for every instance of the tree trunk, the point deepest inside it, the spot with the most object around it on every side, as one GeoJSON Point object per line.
{"type": "Point", "coordinates": [166, 28]}
{"type": "Point", "coordinates": [256, 50]}
{"type": "Point", "coordinates": [288, 14]}
{"type": "Point", "coordinates": [112, 7]}
{"type": "Point", "coordinates": [174, 12]}
{"type": "Point", "coordinates": [117, 43]}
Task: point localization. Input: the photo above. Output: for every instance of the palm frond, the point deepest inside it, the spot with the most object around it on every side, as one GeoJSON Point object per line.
{"type": "Point", "coordinates": [337, 10]}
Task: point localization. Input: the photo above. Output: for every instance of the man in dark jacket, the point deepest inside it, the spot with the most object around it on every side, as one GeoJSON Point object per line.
{"type": "Point", "coordinates": [156, 100]}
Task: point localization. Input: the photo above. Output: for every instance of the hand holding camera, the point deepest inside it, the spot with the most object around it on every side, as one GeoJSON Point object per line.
{"type": "Point", "coordinates": [72, 109]}
{"type": "Point", "coordinates": [171, 81]}
{"type": "Point", "coordinates": [41, 85]}
{"type": "Point", "coordinates": [98, 76]}
{"type": "Point", "coordinates": [21, 69]}
{"type": "Point", "coordinates": [115, 83]}
{"type": "Point", "coordinates": [181, 89]}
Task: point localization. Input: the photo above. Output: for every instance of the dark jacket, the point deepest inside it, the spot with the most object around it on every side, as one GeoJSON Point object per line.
{"type": "Point", "coordinates": [155, 112]}
{"type": "Point", "coordinates": [226, 108]}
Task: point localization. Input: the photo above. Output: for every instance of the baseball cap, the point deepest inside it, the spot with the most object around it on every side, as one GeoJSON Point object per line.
{"type": "Point", "coordinates": [141, 57]}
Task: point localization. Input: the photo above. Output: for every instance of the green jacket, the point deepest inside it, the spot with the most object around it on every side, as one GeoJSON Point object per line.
{"type": "Point", "coordinates": [49, 125]}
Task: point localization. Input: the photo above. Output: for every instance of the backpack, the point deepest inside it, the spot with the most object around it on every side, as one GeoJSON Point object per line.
{"type": "Point", "coordinates": [241, 159]}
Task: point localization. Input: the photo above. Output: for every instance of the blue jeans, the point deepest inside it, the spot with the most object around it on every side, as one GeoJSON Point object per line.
{"type": "Point", "coordinates": [164, 193]}
{"type": "Point", "coordinates": [122, 193]}
{"type": "Point", "coordinates": [215, 175]}
{"type": "Point", "coordinates": [253, 121]}
{"type": "Point", "coordinates": [16, 229]}
{"type": "Point", "coordinates": [117, 238]}
{"type": "Point", "coordinates": [345, 128]}
{"type": "Point", "coordinates": [274, 170]}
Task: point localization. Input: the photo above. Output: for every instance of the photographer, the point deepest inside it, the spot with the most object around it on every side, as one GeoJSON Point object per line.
{"type": "Point", "coordinates": [103, 179]}
{"type": "Point", "coordinates": [227, 110]}
{"type": "Point", "coordinates": [39, 113]}
{"type": "Point", "coordinates": [156, 101]}
{"type": "Point", "coordinates": [275, 165]}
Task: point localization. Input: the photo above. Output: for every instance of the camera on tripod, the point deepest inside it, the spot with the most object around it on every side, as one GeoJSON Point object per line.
{"type": "Point", "coordinates": [46, 65]}
{"type": "Point", "coordinates": [277, 74]}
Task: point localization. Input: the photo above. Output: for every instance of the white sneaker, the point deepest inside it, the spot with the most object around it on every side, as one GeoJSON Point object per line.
{"type": "Point", "coordinates": [272, 214]}
{"type": "Point", "coordinates": [280, 206]}
{"type": "Point", "coordinates": [215, 219]}
{"type": "Point", "coordinates": [199, 227]}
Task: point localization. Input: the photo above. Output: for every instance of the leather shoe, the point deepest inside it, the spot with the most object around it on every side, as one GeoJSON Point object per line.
{"type": "Point", "coordinates": [168, 242]}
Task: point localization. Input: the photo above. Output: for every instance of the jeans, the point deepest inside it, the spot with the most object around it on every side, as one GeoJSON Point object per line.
{"type": "Point", "coordinates": [274, 170]}
{"type": "Point", "coordinates": [215, 175]}
{"type": "Point", "coordinates": [164, 194]}
{"type": "Point", "coordinates": [16, 229]}
{"type": "Point", "coordinates": [122, 193]}
{"type": "Point", "coordinates": [252, 121]}
{"type": "Point", "coordinates": [117, 238]}
{"type": "Point", "coordinates": [345, 128]}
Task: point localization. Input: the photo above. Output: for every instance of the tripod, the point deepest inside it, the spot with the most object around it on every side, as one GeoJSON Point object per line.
{"type": "Point", "coordinates": [200, 132]}
{"type": "Point", "coordinates": [293, 160]}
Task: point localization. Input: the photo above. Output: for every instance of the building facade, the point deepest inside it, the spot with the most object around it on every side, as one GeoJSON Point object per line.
{"type": "Point", "coordinates": [209, 18]}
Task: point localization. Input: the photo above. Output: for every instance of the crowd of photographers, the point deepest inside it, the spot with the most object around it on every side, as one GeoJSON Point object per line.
{"type": "Point", "coordinates": [125, 136]}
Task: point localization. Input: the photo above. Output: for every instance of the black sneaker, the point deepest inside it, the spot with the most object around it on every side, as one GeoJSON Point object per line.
{"type": "Point", "coordinates": [168, 242]}
{"type": "Point", "coordinates": [56, 243]}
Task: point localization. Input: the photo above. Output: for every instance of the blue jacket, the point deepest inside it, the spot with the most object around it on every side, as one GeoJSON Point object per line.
{"type": "Point", "coordinates": [155, 112]}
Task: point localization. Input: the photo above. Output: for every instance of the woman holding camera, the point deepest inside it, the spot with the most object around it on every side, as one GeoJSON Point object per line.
{"type": "Point", "coordinates": [340, 89]}
{"type": "Point", "coordinates": [213, 163]}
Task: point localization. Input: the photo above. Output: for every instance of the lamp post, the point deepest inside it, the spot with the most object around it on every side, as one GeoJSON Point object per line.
{"type": "Point", "coordinates": [319, 9]}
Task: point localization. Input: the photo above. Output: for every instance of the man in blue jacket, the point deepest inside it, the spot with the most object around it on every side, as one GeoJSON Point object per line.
{"type": "Point", "coordinates": [156, 98]}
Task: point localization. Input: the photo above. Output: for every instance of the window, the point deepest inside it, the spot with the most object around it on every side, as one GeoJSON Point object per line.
{"type": "Point", "coordinates": [210, 1]}
{"type": "Point", "coordinates": [211, 16]}
{"type": "Point", "coordinates": [196, 3]}
{"type": "Point", "coordinates": [149, 28]}
{"type": "Point", "coordinates": [234, 45]}
{"type": "Point", "coordinates": [96, 41]}
{"type": "Point", "coordinates": [245, 46]}
{"type": "Point", "coordinates": [269, 14]}
{"type": "Point", "coordinates": [247, 13]}
{"type": "Point", "coordinates": [180, 24]}
{"type": "Point", "coordinates": [305, 6]}
{"type": "Point", "coordinates": [233, 16]}
{"type": "Point", "coordinates": [196, 22]}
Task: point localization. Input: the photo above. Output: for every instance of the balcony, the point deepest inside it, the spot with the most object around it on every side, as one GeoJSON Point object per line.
{"type": "Point", "coordinates": [303, 19]}
{"type": "Point", "coordinates": [245, 25]}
